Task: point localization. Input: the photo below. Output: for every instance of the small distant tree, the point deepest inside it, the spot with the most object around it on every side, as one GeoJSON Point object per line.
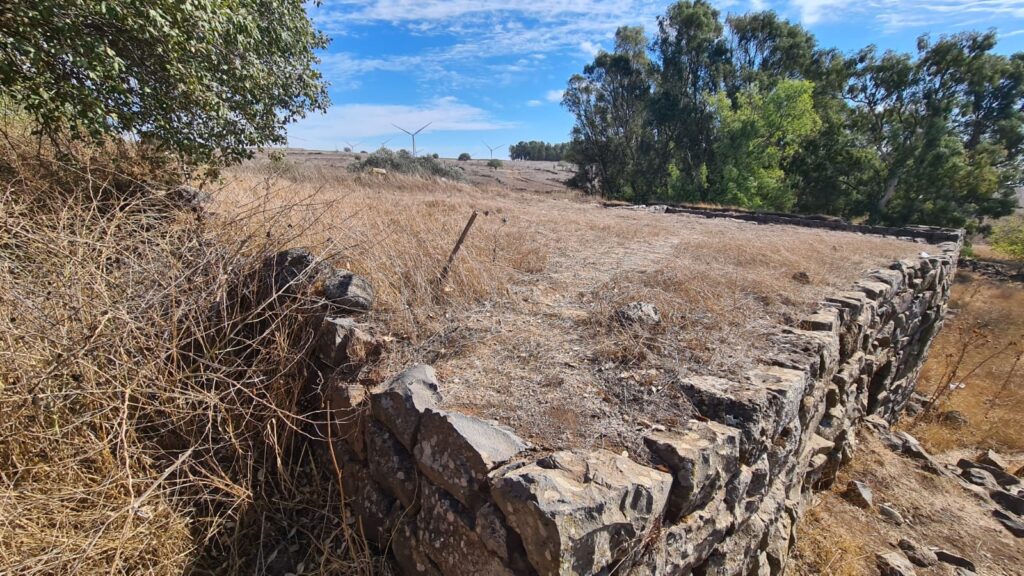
{"type": "Point", "coordinates": [1008, 237]}
{"type": "Point", "coordinates": [435, 155]}
{"type": "Point", "coordinates": [494, 164]}
{"type": "Point", "coordinates": [207, 80]}
{"type": "Point", "coordinates": [464, 157]}
{"type": "Point", "coordinates": [347, 149]}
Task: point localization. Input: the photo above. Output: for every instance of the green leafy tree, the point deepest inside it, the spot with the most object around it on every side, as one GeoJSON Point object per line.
{"type": "Point", "coordinates": [464, 157]}
{"type": "Point", "coordinates": [756, 138]}
{"type": "Point", "coordinates": [494, 164]}
{"type": "Point", "coordinates": [206, 79]}
{"type": "Point", "coordinates": [613, 143]}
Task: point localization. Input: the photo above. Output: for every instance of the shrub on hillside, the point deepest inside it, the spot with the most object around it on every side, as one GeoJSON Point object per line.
{"type": "Point", "coordinates": [1008, 237]}
{"type": "Point", "coordinates": [464, 157]}
{"type": "Point", "coordinates": [150, 418]}
{"type": "Point", "coordinates": [494, 164]}
{"type": "Point", "coordinates": [402, 162]}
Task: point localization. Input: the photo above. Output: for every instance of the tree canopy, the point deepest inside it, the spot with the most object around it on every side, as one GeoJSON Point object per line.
{"type": "Point", "coordinates": [537, 150]}
{"type": "Point", "coordinates": [206, 79]}
{"type": "Point", "coordinates": [750, 111]}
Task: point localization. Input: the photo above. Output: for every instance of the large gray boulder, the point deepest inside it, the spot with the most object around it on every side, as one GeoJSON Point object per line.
{"type": "Point", "coordinates": [400, 402]}
{"type": "Point", "coordinates": [457, 452]}
{"type": "Point", "coordinates": [701, 456]}
{"type": "Point", "coordinates": [581, 513]}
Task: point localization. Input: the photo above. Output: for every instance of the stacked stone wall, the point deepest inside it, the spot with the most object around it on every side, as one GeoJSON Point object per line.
{"type": "Point", "coordinates": [444, 493]}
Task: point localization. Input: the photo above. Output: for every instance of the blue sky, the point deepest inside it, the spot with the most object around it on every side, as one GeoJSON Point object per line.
{"type": "Point", "coordinates": [492, 71]}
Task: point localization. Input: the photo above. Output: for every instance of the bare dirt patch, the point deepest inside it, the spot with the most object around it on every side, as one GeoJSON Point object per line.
{"type": "Point", "coordinates": [523, 330]}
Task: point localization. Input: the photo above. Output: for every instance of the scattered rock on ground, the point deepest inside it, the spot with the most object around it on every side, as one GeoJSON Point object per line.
{"type": "Point", "coordinates": [980, 477]}
{"type": "Point", "coordinates": [1011, 523]}
{"type": "Point", "coordinates": [894, 564]}
{"type": "Point", "coordinates": [345, 345]}
{"type": "Point", "coordinates": [993, 458]}
{"type": "Point", "coordinates": [955, 560]}
{"type": "Point", "coordinates": [917, 554]}
{"type": "Point", "coordinates": [638, 314]}
{"type": "Point", "coordinates": [1009, 502]}
{"type": "Point", "coordinates": [801, 277]}
{"type": "Point", "coordinates": [1002, 478]}
{"type": "Point", "coordinates": [954, 418]}
{"type": "Point", "coordinates": [890, 514]}
{"type": "Point", "coordinates": [858, 494]}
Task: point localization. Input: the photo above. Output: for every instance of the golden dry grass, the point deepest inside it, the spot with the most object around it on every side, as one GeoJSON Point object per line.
{"type": "Point", "coordinates": [526, 313]}
{"type": "Point", "coordinates": [979, 349]}
{"type": "Point", "coordinates": [149, 410]}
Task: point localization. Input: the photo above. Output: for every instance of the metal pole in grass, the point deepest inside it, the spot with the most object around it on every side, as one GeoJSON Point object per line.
{"type": "Point", "coordinates": [451, 257]}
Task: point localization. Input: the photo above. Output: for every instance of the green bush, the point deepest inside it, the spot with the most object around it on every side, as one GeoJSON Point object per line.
{"type": "Point", "coordinates": [402, 162]}
{"type": "Point", "coordinates": [494, 164]}
{"type": "Point", "coordinates": [1008, 237]}
{"type": "Point", "coordinates": [464, 156]}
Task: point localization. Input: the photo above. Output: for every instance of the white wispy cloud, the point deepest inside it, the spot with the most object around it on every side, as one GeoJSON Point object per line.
{"type": "Point", "coordinates": [359, 121]}
{"type": "Point", "coordinates": [554, 95]}
{"type": "Point", "coordinates": [534, 103]}
{"type": "Point", "coordinates": [895, 15]}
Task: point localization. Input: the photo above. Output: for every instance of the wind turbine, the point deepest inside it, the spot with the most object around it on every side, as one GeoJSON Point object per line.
{"type": "Point", "coordinates": [385, 143]}
{"type": "Point", "coordinates": [352, 146]}
{"type": "Point", "coordinates": [413, 134]}
{"type": "Point", "coordinates": [492, 149]}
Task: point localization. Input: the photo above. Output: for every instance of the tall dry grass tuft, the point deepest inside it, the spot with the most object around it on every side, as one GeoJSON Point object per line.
{"type": "Point", "coordinates": [149, 385]}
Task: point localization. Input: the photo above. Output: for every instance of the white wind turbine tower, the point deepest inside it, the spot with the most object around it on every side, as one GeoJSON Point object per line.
{"type": "Point", "coordinates": [413, 135]}
{"type": "Point", "coordinates": [492, 149]}
{"type": "Point", "coordinates": [352, 146]}
{"type": "Point", "coordinates": [385, 143]}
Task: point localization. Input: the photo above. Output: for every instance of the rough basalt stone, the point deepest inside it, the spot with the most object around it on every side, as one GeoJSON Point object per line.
{"type": "Point", "coordinates": [376, 510]}
{"type": "Point", "coordinates": [408, 553]}
{"type": "Point", "coordinates": [457, 452]}
{"type": "Point", "coordinates": [447, 536]}
{"type": "Point", "coordinates": [858, 494]}
{"type": "Point", "coordinates": [391, 465]}
{"type": "Point", "coordinates": [894, 564]}
{"type": "Point", "coordinates": [348, 292]}
{"type": "Point", "coordinates": [346, 408]}
{"type": "Point", "coordinates": [917, 554]}
{"type": "Point", "coordinates": [701, 457]}
{"type": "Point", "coordinates": [580, 513]}
{"type": "Point", "coordinates": [400, 402]}
{"type": "Point", "coordinates": [344, 345]}
{"type": "Point", "coordinates": [1013, 524]}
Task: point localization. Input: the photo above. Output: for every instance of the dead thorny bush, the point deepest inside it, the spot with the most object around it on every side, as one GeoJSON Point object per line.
{"type": "Point", "coordinates": [149, 389]}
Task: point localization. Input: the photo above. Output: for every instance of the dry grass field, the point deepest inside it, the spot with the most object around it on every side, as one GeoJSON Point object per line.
{"type": "Point", "coordinates": [523, 331]}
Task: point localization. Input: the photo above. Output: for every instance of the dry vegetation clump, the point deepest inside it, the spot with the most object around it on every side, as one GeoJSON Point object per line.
{"type": "Point", "coordinates": [975, 370]}
{"type": "Point", "coordinates": [528, 311]}
{"type": "Point", "coordinates": [149, 392]}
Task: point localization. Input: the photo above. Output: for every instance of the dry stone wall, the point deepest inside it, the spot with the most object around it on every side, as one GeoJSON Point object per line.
{"type": "Point", "coordinates": [449, 494]}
